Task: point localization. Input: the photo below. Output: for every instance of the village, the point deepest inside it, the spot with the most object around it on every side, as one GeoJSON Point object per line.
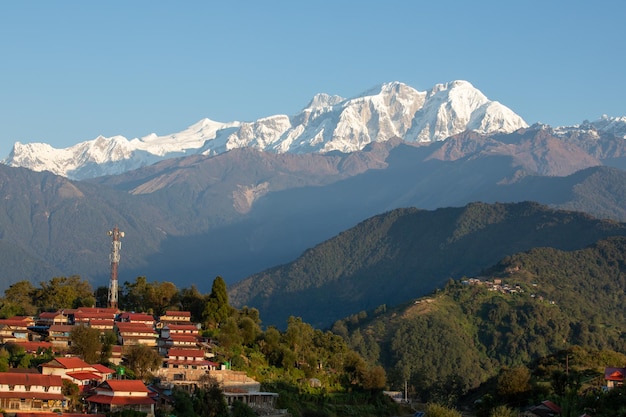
{"type": "Point", "coordinates": [187, 360]}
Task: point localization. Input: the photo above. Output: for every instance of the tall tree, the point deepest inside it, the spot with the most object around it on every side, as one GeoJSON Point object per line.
{"type": "Point", "coordinates": [142, 360]}
{"type": "Point", "coordinates": [22, 294]}
{"type": "Point", "coordinates": [85, 342]}
{"type": "Point", "coordinates": [217, 309]}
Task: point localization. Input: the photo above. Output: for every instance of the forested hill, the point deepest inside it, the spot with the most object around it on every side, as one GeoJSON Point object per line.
{"type": "Point", "coordinates": [545, 301]}
{"type": "Point", "coordinates": [406, 253]}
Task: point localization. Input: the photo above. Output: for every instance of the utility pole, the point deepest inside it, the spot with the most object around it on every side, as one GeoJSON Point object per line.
{"type": "Point", "coordinates": [114, 257]}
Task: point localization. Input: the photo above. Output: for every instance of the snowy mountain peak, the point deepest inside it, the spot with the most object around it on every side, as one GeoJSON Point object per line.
{"type": "Point", "coordinates": [328, 123]}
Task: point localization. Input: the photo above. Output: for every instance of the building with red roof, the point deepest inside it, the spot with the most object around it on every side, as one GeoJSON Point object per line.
{"type": "Point", "coordinates": [175, 317]}
{"type": "Point", "coordinates": [614, 377]}
{"type": "Point", "coordinates": [78, 371]}
{"type": "Point", "coordinates": [129, 334]}
{"type": "Point", "coordinates": [137, 318]}
{"type": "Point", "coordinates": [30, 392]}
{"type": "Point", "coordinates": [121, 394]}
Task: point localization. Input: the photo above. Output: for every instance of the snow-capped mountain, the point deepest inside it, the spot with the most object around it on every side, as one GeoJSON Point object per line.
{"type": "Point", "coordinates": [328, 123]}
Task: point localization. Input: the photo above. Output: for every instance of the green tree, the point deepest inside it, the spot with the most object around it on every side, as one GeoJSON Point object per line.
{"type": "Point", "coordinates": [502, 411]}
{"type": "Point", "coordinates": [514, 383]}
{"type": "Point", "coordinates": [85, 343]}
{"type": "Point", "coordinates": [22, 294]}
{"type": "Point", "coordinates": [209, 401]}
{"type": "Point", "coordinates": [63, 292]}
{"type": "Point", "coordinates": [241, 409]}
{"type": "Point", "coordinates": [142, 360]}
{"type": "Point", "coordinates": [217, 309]}
{"type": "Point", "coordinates": [108, 339]}
{"type": "Point", "coordinates": [437, 410]}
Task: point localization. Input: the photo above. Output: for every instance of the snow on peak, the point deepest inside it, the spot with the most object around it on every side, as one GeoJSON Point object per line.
{"type": "Point", "coordinates": [327, 123]}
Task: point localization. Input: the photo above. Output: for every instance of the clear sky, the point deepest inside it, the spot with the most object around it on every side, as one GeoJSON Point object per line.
{"type": "Point", "coordinates": [73, 70]}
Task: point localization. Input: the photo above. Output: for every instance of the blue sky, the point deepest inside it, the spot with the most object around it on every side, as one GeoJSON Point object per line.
{"type": "Point", "coordinates": [74, 70]}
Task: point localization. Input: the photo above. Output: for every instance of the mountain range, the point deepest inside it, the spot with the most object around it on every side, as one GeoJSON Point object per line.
{"type": "Point", "coordinates": [237, 199]}
{"type": "Point", "coordinates": [328, 123]}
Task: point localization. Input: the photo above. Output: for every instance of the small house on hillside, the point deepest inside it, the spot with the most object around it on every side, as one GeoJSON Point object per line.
{"type": "Point", "coordinates": [614, 377]}
{"type": "Point", "coordinates": [121, 394]}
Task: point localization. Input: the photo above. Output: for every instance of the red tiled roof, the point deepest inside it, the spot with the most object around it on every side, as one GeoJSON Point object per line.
{"type": "Point", "coordinates": [188, 353]}
{"type": "Point", "coordinates": [50, 314]}
{"type": "Point", "coordinates": [67, 363]}
{"type": "Point", "coordinates": [14, 323]}
{"type": "Point", "coordinates": [10, 378]}
{"type": "Point", "coordinates": [133, 385]}
{"type": "Point", "coordinates": [134, 327]}
{"type": "Point", "coordinates": [180, 337]}
{"type": "Point", "coordinates": [103, 369]}
{"type": "Point", "coordinates": [79, 315]}
{"type": "Point", "coordinates": [61, 328]}
{"type": "Point", "coordinates": [109, 399]}
{"type": "Point", "coordinates": [614, 374]}
{"type": "Point", "coordinates": [178, 313]}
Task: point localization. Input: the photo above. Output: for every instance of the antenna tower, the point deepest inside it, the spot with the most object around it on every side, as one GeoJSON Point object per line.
{"type": "Point", "coordinates": [116, 245]}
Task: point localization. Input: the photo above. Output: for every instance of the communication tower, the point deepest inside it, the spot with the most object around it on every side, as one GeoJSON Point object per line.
{"type": "Point", "coordinates": [116, 245]}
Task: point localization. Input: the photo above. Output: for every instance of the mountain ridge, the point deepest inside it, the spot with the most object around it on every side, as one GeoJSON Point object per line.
{"type": "Point", "coordinates": [328, 123]}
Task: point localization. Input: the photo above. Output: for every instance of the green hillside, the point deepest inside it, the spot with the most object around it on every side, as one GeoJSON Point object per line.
{"type": "Point", "coordinates": [529, 306]}
{"type": "Point", "coordinates": [407, 253]}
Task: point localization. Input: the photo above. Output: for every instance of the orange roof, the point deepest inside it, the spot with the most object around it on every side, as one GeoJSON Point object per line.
{"type": "Point", "coordinates": [134, 327]}
{"type": "Point", "coordinates": [14, 323]}
{"type": "Point", "coordinates": [178, 313]}
{"type": "Point", "coordinates": [133, 385]}
{"type": "Point", "coordinates": [103, 369]}
{"type": "Point", "coordinates": [61, 328]}
{"type": "Point", "coordinates": [67, 363]}
{"type": "Point", "coordinates": [50, 314]}
{"type": "Point", "coordinates": [188, 353]}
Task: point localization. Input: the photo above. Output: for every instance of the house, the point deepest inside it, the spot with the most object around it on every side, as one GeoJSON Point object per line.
{"type": "Point", "coordinates": [175, 317]}
{"type": "Point", "coordinates": [263, 403]}
{"type": "Point", "coordinates": [30, 392]}
{"type": "Point", "coordinates": [59, 335]}
{"type": "Point", "coordinates": [129, 334]}
{"type": "Point", "coordinates": [614, 377]}
{"type": "Point", "coordinates": [48, 318]}
{"type": "Point", "coordinates": [85, 314]}
{"type": "Point", "coordinates": [178, 336]}
{"type": "Point", "coordinates": [121, 394]}
{"type": "Point", "coordinates": [545, 409]}
{"type": "Point", "coordinates": [33, 347]}
{"type": "Point", "coordinates": [185, 365]}
{"type": "Point", "coordinates": [137, 318]}
{"type": "Point", "coordinates": [77, 371]}
{"type": "Point", "coordinates": [14, 329]}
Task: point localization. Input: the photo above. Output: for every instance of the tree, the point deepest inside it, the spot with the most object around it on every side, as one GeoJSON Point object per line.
{"type": "Point", "coordinates": [502, 411]}
{"type": "Point", "coordinates": [21, 294]}
{"type": "Point", "coordinates": [436, 410]}
{"type": "Point", "coordinates": [375, 379]}
{"type": "Point", "coordinates": [63, 292]}
{"type": "Point", "coordinates": [85, 342]}
{"type": "Point", "coordinates": [108, 339]}
{"type": "Point", "coordinates": [209, 401]}
{"type": "Point", "coordinates": [514, 383]}
{"type": "Point", "coordinates": [217, 309]}
{"type": "Point", "coordinates": [142, 360]}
